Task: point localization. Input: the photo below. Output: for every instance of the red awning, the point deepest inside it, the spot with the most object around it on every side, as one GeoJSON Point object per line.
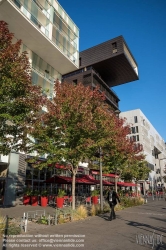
{"type": "Point", "coordinates": [96, 172]}
{"type": "Point", "coordinates": [126, 184]}
{"type": "Point", "coordinates": [111, 175]}
{"type": "Point", "coordinates": [68, 180]}
{"type": "Point", "coordinates": [105, 183]}
{"type": "Point", "coordinates": [59, 180]}
{"type": "Point", "coordinates": [85, 179]}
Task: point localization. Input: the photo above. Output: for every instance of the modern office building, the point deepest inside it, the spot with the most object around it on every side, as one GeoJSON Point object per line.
{"type": "Point", "coordinates": [51, 39]}
{"type": "Point", "coordinates": [107, 65]}
{"type": "Point", "coordinates": [143, 132]}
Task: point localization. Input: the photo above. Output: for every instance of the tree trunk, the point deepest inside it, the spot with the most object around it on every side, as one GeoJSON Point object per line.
{"type": "Point", "coordinates": [73, 190]}
{"type": "Point", "coordinates": [116, 189]}
{"type": "Point", "coordinates": [136, 188]}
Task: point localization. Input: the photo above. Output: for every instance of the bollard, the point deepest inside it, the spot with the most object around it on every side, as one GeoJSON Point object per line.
{"type": "Point", "coordinates": [49, 220]}
{"type": "Point", "coordinates": [26, 224]}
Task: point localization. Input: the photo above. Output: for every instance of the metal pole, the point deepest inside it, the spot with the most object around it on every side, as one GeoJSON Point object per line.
{"type": "Point", "coordinates": [101, 182]}
{"type": "Point", "coordinates": [152, 190]}
{"type": "Point", "coordinates": [116, 180]}
{"type": "Point", "coordinates": [160, 172]}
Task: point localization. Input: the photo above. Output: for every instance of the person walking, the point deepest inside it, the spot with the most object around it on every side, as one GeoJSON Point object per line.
{"type": "Point", "coordinates": [112, 198]}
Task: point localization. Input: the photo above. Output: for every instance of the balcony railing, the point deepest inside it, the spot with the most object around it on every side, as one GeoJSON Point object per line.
{"type": "Point", "coordinates": [103, 86]}
{"type": "Point", "coordinates": [44, 30]}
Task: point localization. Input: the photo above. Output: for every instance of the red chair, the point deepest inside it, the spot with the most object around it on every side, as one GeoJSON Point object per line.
{"type": "Point", "coordinates": [66, 199]}
{"type": "Point", "coordinates": [88, 200]}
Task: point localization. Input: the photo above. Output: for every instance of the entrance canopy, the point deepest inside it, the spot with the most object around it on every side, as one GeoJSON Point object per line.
{"type": "Point", "coordinates": [85, 179]}
{"type": "Point", "coordinates": [126, 184]}
{"type": "Point", "coordinates": [68, 180]}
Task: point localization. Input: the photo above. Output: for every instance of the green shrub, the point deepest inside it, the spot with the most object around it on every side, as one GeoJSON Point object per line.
{"type": "Point", "coordinates": [95, 193]}
{"type": "Point", "coordinates": [43, 220]}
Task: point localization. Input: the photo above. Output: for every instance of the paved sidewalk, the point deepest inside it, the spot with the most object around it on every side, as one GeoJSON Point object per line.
{"type": "Point", "coordinates": [140, 228]}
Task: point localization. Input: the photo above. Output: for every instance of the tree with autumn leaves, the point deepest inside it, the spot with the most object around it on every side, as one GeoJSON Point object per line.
{"type": "Point", "coordinates": [73, 128]}
{"type": "Point", "coordinates": [77, 123]}
{"type": "Point", "coordinates": [120, 154]}
{"type": "Point", "coordinates": [20, 101]}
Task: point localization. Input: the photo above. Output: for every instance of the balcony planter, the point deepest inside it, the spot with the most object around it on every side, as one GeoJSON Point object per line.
{"type": "Point", "coordinates": [44, 199]}
{"type": "Point", "coordinates": [60, 198]}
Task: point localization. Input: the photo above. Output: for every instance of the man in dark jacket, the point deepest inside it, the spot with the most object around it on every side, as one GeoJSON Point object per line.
{"type": "Point", "coordinates": [112, 198]}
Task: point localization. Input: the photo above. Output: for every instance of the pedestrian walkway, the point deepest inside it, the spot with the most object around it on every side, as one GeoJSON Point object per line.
{"type": "Point", "coordinates": [139, 228]}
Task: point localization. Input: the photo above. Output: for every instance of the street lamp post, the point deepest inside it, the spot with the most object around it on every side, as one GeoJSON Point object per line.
{"type": "Point", "coordinates": [101, 181]}
{"type": "Point", "coordinates": [117, 112]}
{"type": "Point", "coordinates": [151, 177]}
{"type": "Point", "coordinates": [160, 169]}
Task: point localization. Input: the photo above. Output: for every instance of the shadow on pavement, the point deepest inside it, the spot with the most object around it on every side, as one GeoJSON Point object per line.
{"type": "Point", "coordinates": [155, 218]}
{"type": "Point", "coordinates": [147, 227]}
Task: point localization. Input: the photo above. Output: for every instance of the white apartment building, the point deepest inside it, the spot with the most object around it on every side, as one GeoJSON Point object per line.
{"type": "Point", "coordinates": [51, 39]}
{"type": "Point", "coordinates": [143, 132]}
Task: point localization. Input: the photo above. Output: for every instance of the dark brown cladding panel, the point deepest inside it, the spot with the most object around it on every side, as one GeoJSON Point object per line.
{"type": "Point", "coordinates": [115, 66]}
{"type": "Point", "coordinates": [101, 52]}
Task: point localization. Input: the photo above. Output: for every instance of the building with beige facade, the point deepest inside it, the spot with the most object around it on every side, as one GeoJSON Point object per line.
{"type": "Point", "coordinates": [143, 132]}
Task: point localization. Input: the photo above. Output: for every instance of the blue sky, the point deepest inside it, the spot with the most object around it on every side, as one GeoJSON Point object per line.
{"type": "Point", "coordinates": [142, 23]}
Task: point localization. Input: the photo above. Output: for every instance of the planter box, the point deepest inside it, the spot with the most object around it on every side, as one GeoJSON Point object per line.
{"type": "Point", "coordinates": [59, 202]}
{"type": "Point", "coordinates": [26, 200]}
{"type": "Point", "coordinates": [44, 201]}
{"type": "Point", "coordinates": [34, 200]}
{"type": "Point", "coordinates": [95, 200]}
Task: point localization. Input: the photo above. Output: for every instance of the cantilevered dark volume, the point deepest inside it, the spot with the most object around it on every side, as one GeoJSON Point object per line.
{"type": "Point", "coordinates": [108, 64]}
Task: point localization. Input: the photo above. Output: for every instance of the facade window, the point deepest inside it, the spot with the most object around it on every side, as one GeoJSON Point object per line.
{"type": "Point", "coordinates": [114, 48]}
{"type": "Point", "coordinates": [80, 61]}
{"type": "Point", "coordinates": [137, 137]}
{"type": "Point", "coordinates": [137, 131]}
{"type": "Point", "coordinates": [17, 2]}
{"type": "Point", "coordinates": [135, 119]}
{"type": "Point", "coordinates": [133, 130]}
{"type": "Point", "coordinates": [156, 156]}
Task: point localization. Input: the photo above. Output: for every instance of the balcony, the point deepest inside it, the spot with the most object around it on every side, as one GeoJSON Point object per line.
{"type": "Point", "coordinates": [33, 28]}
{"type": "Point", "coordinates": [90, 77]}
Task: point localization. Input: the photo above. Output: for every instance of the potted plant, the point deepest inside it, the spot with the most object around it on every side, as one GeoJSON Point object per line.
{"type": "Point", "coordinates": [94, 195]}
{"type": "Point", "coordinates": [44, 198]}
{"type": "Point", "coordinates": [60, 198]}
{"type": "Point", "coordinates": [34, 198]}
{"type": "Point", "coordinates": [27, 196]}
